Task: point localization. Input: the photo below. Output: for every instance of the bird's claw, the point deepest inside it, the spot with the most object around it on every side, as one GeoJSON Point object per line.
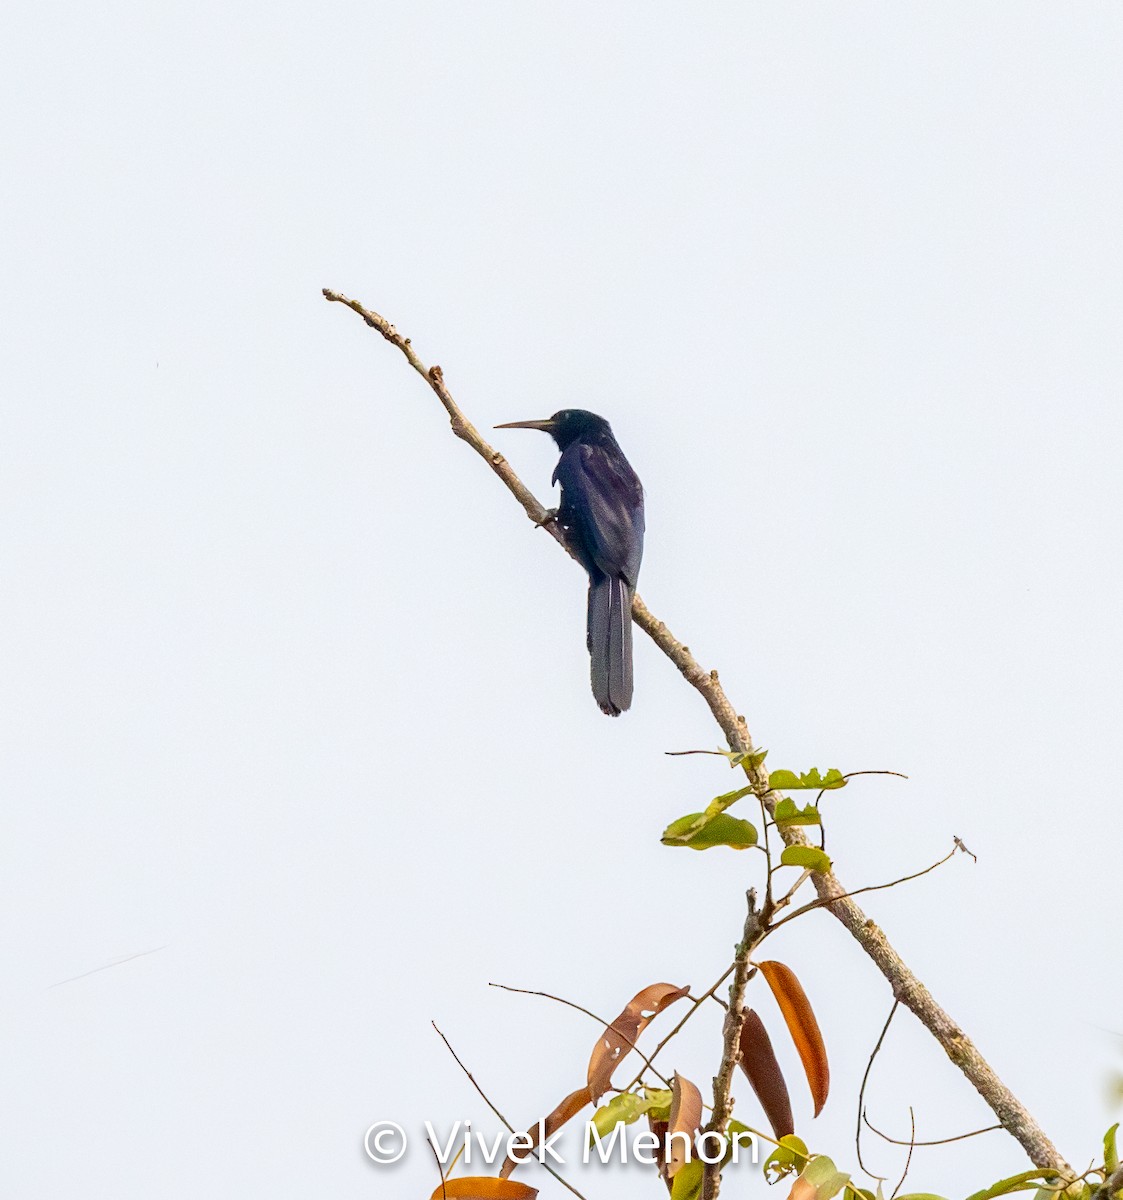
{"type": "Point", "coordinates": [547, 518]}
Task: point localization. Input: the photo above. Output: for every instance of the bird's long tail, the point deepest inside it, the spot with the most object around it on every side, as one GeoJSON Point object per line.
{"type": "Point", "coordinates": [610, 644]}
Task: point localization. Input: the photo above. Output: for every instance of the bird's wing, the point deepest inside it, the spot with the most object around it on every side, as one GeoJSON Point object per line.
{"type": "Point", "coordinates": [602, 501]}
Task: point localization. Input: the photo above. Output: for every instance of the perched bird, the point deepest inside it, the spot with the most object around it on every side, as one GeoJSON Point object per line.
{"type": "Point", "coordinates": [601, 513]}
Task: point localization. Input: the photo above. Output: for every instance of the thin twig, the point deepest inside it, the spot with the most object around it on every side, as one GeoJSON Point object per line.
{"type": "Point", "coordinates": [437, 1160]}
{"type": "Point", "coordinates": [608, 1025]}
{"type": "Point", "coordinates": [471, 1078]}
{"type": "Point", "coordinates": [959, 1137]}
{"type": "Point", "coordinates": [862, 1092]}
{"type": "Point", "coordinates": [823, 791]}
{"type": "Point", "coordinates": [484, 1096]}
{"type": "Point", "coordinates": [766, 843]}
{"type": "Point", "coordinates": [959, 843]}
{"type": "Point", "coordinates": [906, 987]}
{"type": "Point", "coordinates": [873, 887]}
{"type": "Point", "coordinates": [786, 898]}
{"type": "Point", "coordinates": [908, 1157]}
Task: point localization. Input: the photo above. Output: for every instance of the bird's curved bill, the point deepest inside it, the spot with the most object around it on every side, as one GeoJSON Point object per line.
{"type": "Point", "coordinates": [545, 426]}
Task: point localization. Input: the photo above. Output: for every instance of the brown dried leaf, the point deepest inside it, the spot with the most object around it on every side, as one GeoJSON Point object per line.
{"type": "Point", "coordinates": [758, 1061]}
{"type": "Point", "coordinates": [569, 1107]}
{"type": "Point", "coordinates": [803, 1027]}
{"type": "Point", "coordinates": [483, 1187]}
{"type": "Point", "coordinates": [685, 1117]}
{"type": "Point", "coordinates": [621, 1035]}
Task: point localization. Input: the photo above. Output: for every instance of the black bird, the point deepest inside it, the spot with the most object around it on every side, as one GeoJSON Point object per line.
{"type": "Point", "coordinates": [601, 513]}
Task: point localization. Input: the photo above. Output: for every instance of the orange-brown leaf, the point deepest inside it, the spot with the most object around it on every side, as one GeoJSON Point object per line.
{"type": "Point", "coordinates": [483, 1187]}
{"type": "Point", "coordinates": [569, 1107]}
{"type": "Point", "coordinates": [758, 1061]}
{"type": "Point", "coordinates": [803, 1027]}
{"type": "Point", "coordinates": [685, 1118]}
{"type": "Point", "coordinates": [621, 1035]}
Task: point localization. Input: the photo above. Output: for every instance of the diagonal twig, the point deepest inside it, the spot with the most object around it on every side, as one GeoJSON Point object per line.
{"type": "Point", "coordinates": [484, 1096]}
{"type": "Point", "coordinates": [872, 887]}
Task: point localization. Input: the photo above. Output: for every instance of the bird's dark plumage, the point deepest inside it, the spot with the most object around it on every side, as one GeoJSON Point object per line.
{"type": "Point", "coordinates": [601, 512]}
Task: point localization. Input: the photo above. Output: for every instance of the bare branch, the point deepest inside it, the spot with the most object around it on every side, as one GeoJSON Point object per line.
{"type": "Point", "coordinates": [906, 987]}
{"type": "Point", "coordinates": [731, 1046]}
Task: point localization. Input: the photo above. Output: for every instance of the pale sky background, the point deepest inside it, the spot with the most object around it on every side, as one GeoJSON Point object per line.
{"type": "Point", "coordinates": [294, 691]}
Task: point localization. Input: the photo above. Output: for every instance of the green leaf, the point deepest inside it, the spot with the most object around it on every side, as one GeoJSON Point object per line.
{"type": "Point", "coordinates": [811, 858]}
{"type": "Point", "coordinates": [789, 1156]}
{"type": "Point", "coordinates": [789, 781]}
{"type": "Point", "coordinates": [720, 803]}
{"type": "Point", "coordinates": [622, 1109]}
{"type": "Point", "coordinates": [1111, 1153]}
{"type": "Point", "coordinates": [699, 833]}
{"type": "Point", "coordinates": [658, 1103]}
{"type": "Point", "coordinates": [687, 1183]}
{"type": "Point", "coordinates": [754, 758]}
{"type": "Point", "coordinates": [1023, 1182]}
{"type": "Point", "coordinates": [682, 830]}
{"type": "Point", "coordinates": [734, 1131]}
{"type": "Point", "coordinates": [789, 813]}
{"type": "Point", "coordinates": [824, 1177]}
{"type": "Point", "coordinates": [1057, 1190]}
{"type": "Point", "coordinates": [628, 1107]}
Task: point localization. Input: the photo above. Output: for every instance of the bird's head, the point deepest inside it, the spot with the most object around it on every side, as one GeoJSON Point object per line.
{"type": "Point", "coordinates": [568, 426]}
